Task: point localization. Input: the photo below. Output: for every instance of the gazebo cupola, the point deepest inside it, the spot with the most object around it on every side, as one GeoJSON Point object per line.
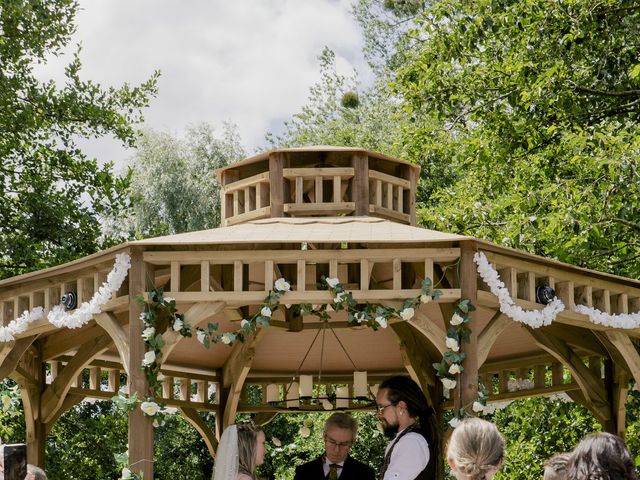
{"type": "Point", "coordinates": [318, 181]}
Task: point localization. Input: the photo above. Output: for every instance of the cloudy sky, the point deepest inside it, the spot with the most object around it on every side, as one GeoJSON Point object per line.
{"type": "Point", "coordinates": [248, 62]}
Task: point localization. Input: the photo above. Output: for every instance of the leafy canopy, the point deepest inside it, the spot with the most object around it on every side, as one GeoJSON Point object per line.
{"type": "Point", "coordinates": [51, 193]}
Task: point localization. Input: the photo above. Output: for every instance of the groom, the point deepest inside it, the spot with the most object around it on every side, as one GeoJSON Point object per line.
{"type": "Point", "coordinates": [339, 435]}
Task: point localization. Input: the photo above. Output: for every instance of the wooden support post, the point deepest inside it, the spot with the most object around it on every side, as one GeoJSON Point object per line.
{"type": "Point", "coordinates": [140, 426]}
{"type": "Point", "coordinates": [276, 161]}
{"type": "Point", "coordinates": [467, 392]}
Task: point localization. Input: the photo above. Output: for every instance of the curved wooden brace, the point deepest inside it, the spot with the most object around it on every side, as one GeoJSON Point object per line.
{"type": "Point", "coordinates": [490, 333]}
{"type": "Point", "coordinates": [192, 416]}
{"type": "Point", "coordinates": [197, 314]}
{"type": "Point", "coordinates": [109, 324]}
{"type": "Point", "coordinates": [419, 370]}
{"type": "Point", "coordinates": [429, 330]}
{"type": "Point", "coordinates": [53, 396]}
{"type": "Point", "coordinates": [235, 373]}
{"type": "Point", "coordinates": [628, 353]}
{"type": "Point", "coordinates": [592, 389]}
{"type": "Point", "coordinates": [70, 401]}
{"type": "Point", "coordinates": [262, 418]}
{"type": "Point", "coordinates": [12, 353]}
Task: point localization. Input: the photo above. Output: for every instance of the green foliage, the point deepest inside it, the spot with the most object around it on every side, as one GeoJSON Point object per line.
{"type": "Point", "coordinates": [526, 113]}
{"type": "Point", "coordinates": [51, 193]}
{"type": "Point", "coordinates": [82, 443]}
{"type": "Point", "coordinates": [173, 185]}
{"type": "Point", "coordinates": [536, 429]}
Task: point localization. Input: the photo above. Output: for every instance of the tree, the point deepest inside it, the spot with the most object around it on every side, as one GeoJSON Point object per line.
{"type": "Point", "coordinates": [337, 115]}
{"type": "Point", "coordinates": [173, 186]}
{"type": "Point", "coordinates": [533, 108]}
{"type": "Point", "coordinates": [51, 192]}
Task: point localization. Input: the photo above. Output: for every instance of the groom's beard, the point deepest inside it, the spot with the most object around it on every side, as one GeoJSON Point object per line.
{"type": "Point", "coordinates": [390, 431]}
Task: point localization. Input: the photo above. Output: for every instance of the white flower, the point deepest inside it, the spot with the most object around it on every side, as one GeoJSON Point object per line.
{"type": "Point", "coordinates": [454, 422]}
{"type": "Point", "coordinates": [456, 319]}
{"type": "Point", "coordinates": [170, 410]}
{"type": "Point", "coordinates": [169, 299]}
{"type": "Point", "coordinates": [307, 422]}
{"type": "Point", "coordinates": [455, 369]}
{"type": "Point", "coordinates": [265, 312]}
{"type": "Point", "coordinates": [226, 339]}
{"type": "Point", "coordinates": [425, 298]}
{"type": "Point", "coordinates": [161, 377]}
{"type": "Point", "coordinates": [304, 432]}
{"type": "Point", "coordinates": [477, 407]}
{"type": "Point", "coordinates": [448, 383]}
{"type": "Point", "coordinates": [201, 335]}
{"type": "Point", "coordinates": [332, 282]}
{"type": "Point", "coordinates": [150, 408]}
{"type": "Point", "coordinates": [407, 313]}
{"type": "Point", "coordinates": [149, 358]}
{"type": "Point", "coordinates": [148, 333]}
{"type": "Point", "coordinates": [244, 323]}
{"type": "Point", "coordinates": [6, 402]}
{"type": "Point", "coordinates": [143, 316]}
{"type": "Point", "coordinates": [282, 285]}
{"type": "Point", "coordinates": [359, 316]}
{"type": "Point", "coordinates": [381, 321]}
{"type": "Point", "coordinates": [452, 344]}
{"type": "Point", "coordinates": [276, 441]}
{"type": "Point", "coordinates": [178, 324]}
{"type": "Point", "coordinates": [126, 474]}
{"type": "Point", "coordinates": [340, 297]}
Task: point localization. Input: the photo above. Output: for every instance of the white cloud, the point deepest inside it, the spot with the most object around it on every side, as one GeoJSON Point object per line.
{"type": "Point", "coordinates": [248, 62]}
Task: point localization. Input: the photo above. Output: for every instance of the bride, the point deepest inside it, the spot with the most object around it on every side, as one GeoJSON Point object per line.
{"type": "Point", "coordinates": [240, 451]}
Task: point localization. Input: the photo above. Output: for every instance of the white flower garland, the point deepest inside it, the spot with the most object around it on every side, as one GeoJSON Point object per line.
{"type": "Point", "coordinates": [81, 315]}
{"type": "Point", "coordinates": [540, 318]}
{"type": "Point", "coordinates": [532, 318]}
{"type": "Point", "coordinates": [621, 320]}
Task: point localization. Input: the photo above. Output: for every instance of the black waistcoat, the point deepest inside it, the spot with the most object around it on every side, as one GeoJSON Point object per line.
{"type": "Point", "coordinates": [429, 472]}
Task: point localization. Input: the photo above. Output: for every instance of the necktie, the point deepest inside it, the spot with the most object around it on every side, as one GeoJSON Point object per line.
{"type": "Point", "coordinates": [333, 471]}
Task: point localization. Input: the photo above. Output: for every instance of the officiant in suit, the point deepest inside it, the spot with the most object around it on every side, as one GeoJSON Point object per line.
{"type": "Point", "coordinates": [340, 431]}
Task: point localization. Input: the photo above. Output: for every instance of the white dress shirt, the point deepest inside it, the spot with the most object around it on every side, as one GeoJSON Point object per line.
{"type": "Point", "coordinates": [410, 456]}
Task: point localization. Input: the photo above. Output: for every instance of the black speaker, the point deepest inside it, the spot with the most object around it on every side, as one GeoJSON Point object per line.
{"type": "Point", "coordinates": [69, 300]}
{"type": "Point", "coordinates": [544, 294]}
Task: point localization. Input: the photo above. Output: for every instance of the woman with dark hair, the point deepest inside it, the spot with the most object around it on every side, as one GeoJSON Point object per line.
{"type": "Point", "coordinates": [601, 456]}
{"type": "Point", "coordinates": [240, 451]}
{"type": "Point", "coordinates": [408, 419]}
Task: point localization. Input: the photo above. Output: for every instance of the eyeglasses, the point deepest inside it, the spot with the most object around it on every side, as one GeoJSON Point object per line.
{"type": "Point", "coordinates": [333, 443]}
{"type": "Point", "coordinates": [381, 408]}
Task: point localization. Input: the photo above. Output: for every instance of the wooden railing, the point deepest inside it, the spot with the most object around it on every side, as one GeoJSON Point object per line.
{"type": "Point", "coordinates": [308, 186]}
{"type": "Point", "coordinates": [389, 196]}
{"type": "Point", "coordinates": [246, 199]}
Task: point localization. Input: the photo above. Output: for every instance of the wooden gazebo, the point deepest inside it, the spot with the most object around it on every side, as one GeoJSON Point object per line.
{"type": "Point", "coordinates": [301, 214]}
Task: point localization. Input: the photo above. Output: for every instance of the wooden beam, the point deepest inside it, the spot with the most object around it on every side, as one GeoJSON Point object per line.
{"type": "Point", "coordinates": [628, 351]}
{"type": "Point", "coordinates": [140, 436]}
{"type": "Point", "coordinates": [61, 342]}
{"type": "Point", "coordinates": [195, 315]}
{"type": "Point", "coordinates": [467, 391]}
{"type": "Point", "coordinates": [490, 333]}
{"type": "Point", "coordinates": [235, 372]}
{"type": "Point", "coordinates": [54, 394]}
{"type": "Point", "coordinates": [192, 416]}
{"type": "Point", "coordinates": [415, 359]}
{"type": "Point", "coordinates": [428, 328]}
{"type": "Point", "coordinates": [12, 354]}
{"type": "Point", "coordinates": [110, 324]}
{"type": "Point", "coordinates": [591, 386]}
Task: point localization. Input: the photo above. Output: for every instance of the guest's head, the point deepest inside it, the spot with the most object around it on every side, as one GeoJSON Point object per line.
{"type": "Point", "coordinates": [401, 403]}
{"type": "Point", "coordinates": [476, 449]}
{"type": "Point", "coordinates": [250, 448]}
{"type": "Point", "coordinates": [556, 467]}
{"type": "Point", "coordinates": [35, 473]}
{"type": "Point", "coordinates": [601, 456]}
{"type": "Point", "coordinates": [340, 431]}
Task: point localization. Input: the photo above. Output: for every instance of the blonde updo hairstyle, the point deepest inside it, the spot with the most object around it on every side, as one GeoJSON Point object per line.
{"type": "Point", "coordinates": [476, 449]}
